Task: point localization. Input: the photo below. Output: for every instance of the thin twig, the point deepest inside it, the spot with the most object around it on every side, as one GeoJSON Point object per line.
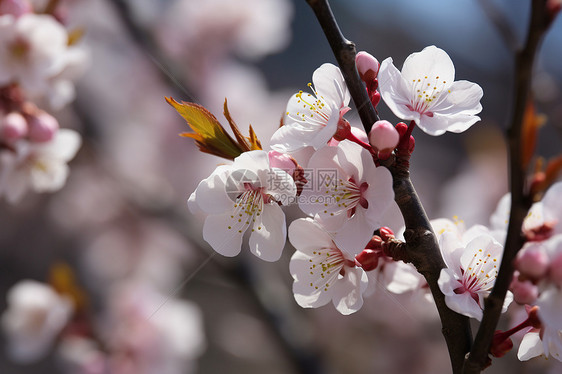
{"type": "Point", "coordinates": [500, 22]}
{"type": "Point", "coordinates": [146, 43]}
{"type": "Point", "coordinates": [421, 247]}
{"type": "Point", "coordinates": [520, 200]}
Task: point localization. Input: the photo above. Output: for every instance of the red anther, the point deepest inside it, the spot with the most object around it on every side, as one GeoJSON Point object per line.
{"type": "Point", "coordinates": [368, 259]}
{"type": "Point", "coordinates": [386, 233]}
{"type": "Point", "coordinates": [501, 344]}
{"type": "Point", "coordinates": [375, 243]}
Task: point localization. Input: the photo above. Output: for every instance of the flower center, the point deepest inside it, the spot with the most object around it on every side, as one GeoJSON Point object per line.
{"type": "Point", "coordinates": [19, 48]}
{"type": "Point", "coordinates": [426, 93]}
{"type": "Point", "coordinates": [315, 111]}
{"type": "Point", "coordinates": [480, 275]}
{"type": "Point", "coordinates": [327, 266]}
{"type": "Point", "coordinates": [247, 207]}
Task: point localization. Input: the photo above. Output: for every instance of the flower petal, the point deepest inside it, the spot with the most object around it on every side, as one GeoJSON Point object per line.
{"type": "Point", "coordinates": [306, 235]}
{"type": "Point", "coordinates": [223, 234]}
{"type": "Point", "coordinates": [431, 62]}
{"type": "Point", "coordinates": [348, 291]}
{"type": "Point", "coordinates": [531, 346]}
{"type": "Point", "coordinates": [438, 123]}
{"type": "Point", "coordinates": [355, 233]}
{"type": "Point", "coordinates": [211, 195]}
{"type": "Point", "coordinates": [269, 233]}
{"type": "Point", "coordinates": [330, 85]}
{"type": "Point", "coordinates": [395, 91]}
{"type": "Point", "coordinates": [464, 97]}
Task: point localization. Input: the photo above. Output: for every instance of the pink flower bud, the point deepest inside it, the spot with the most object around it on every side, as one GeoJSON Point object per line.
{"type": "Point", "coordinates": [282, 161]}
{"type": "Point", "coordinates": [367, 66]}
{"type": "Point", "coordinates": [15, 7]}
{"type": "Point", "coordinates": [555, 272]}
{"type": "Point", "coordinates": [13, 126]}
{"type": "Point", "coordinates": [524, 292]}
{"type": "Point", "coordinates": [532, 262]}
{"type": "Point", "coordinates": [383, 136]}
{"type": "Point", "coordinates": [42, 127]}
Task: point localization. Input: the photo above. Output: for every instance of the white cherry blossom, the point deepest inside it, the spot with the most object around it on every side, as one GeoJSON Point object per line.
{"type": "Point", "coordinates": [472, 267]}
{"type": "Point", "coordinates": [36, 314]}
{"type": "Point", "coordinates": [32, 50]}
{"type": "Point", "coordinates": [547, 341]}
{"type": "Point", "coordinates": [425, 92]}
{"type": "Point", "coordinates": [312, 120]}
{"type": "Point", "coordinates": [39, 166]}
{"type": "Point", "coordinates": [322, 271]}
{"type": "Point", "coordinates": [348, 192]}
{"type": "Point", "coordinates": [242, 196]}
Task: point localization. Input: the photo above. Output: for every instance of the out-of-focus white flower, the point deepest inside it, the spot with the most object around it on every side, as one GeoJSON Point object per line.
{"type": "Point", "coordinates": [348, 192]}
{"type": "Point", "coordinates": [312, 120]}
{"type": "Point", "coordinates": [322, 271]}
{"type": "Point", "coordinates": [150, 332]}
{"type": "Point", "coordinates": [251, 28]}
{"type": "Point", "coordinates": [60, 89]}
{"type": "Point", "coordinates": [39, 166]}
{"type": "Point", "coordinates": [543, 220]}
{"type": "Point", "coordinates": [32, 50]}
{"type": "Point", "coordinates": [425, 92]}
{"type": "Point", "coordinates": [547, 342]}
{"type": "Point", "coordinates": [36, 314]}
{"type": "Point", "coordinates": [470, 275]}
{"type": "Point", "coordinates": [242, 196]}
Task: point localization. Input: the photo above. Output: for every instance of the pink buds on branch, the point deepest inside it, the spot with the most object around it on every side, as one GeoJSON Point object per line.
{"type": "Point", "coordinates": [384, 138]}
{"type": "Point", "coordinates": [368, 68]}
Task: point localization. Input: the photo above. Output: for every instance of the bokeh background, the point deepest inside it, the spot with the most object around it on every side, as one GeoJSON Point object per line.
{"type": "Point", "coordinates": [121, 221]}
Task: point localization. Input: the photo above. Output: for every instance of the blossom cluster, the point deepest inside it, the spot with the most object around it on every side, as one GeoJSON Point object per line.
{"type": "Point", "coordinates": [39, 59]}
{"type": "Point", "coordinates": [336, 171]}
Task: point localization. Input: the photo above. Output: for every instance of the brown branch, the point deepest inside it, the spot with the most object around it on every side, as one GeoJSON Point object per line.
{"type": "Point", "coordinates": [520, 201]}
{"type": "Point", "coordinates": [421, 247]}
{"type": "Point", "coordinates": [344, 51]}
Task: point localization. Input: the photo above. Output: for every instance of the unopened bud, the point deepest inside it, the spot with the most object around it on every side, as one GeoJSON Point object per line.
{"type": "Point", "coordinates": [13, 126]}
{"type": "Point", "coordinates": [555, 271]}
{"type": "Point", "coordinates": [282, 161]}
{"type": "Point", "coordinates": [411, 144]}
{"type": "Point", "coordinates": [383, 136]}
{"type": "Point", "coordinates": [368, 259]}
{"type": "Point", "coordinates": [375, 243]}
{"type": "Point", "coordinates": [402, 128]}
{"type": "Point", "coordinates": [386, 233]}
{"type": "Point", "coordinates": [375, 98]}
{"type": "Point", "coordinates": [15, 7]}
{"type": "Point", "coordinates": [524, 292]}
{"type": "Point", "coordinates": [367, 66]}
{"type": "Point", "coordinates": [42, 127]}
{"type": "Point", "coordinates": [532, 262]}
